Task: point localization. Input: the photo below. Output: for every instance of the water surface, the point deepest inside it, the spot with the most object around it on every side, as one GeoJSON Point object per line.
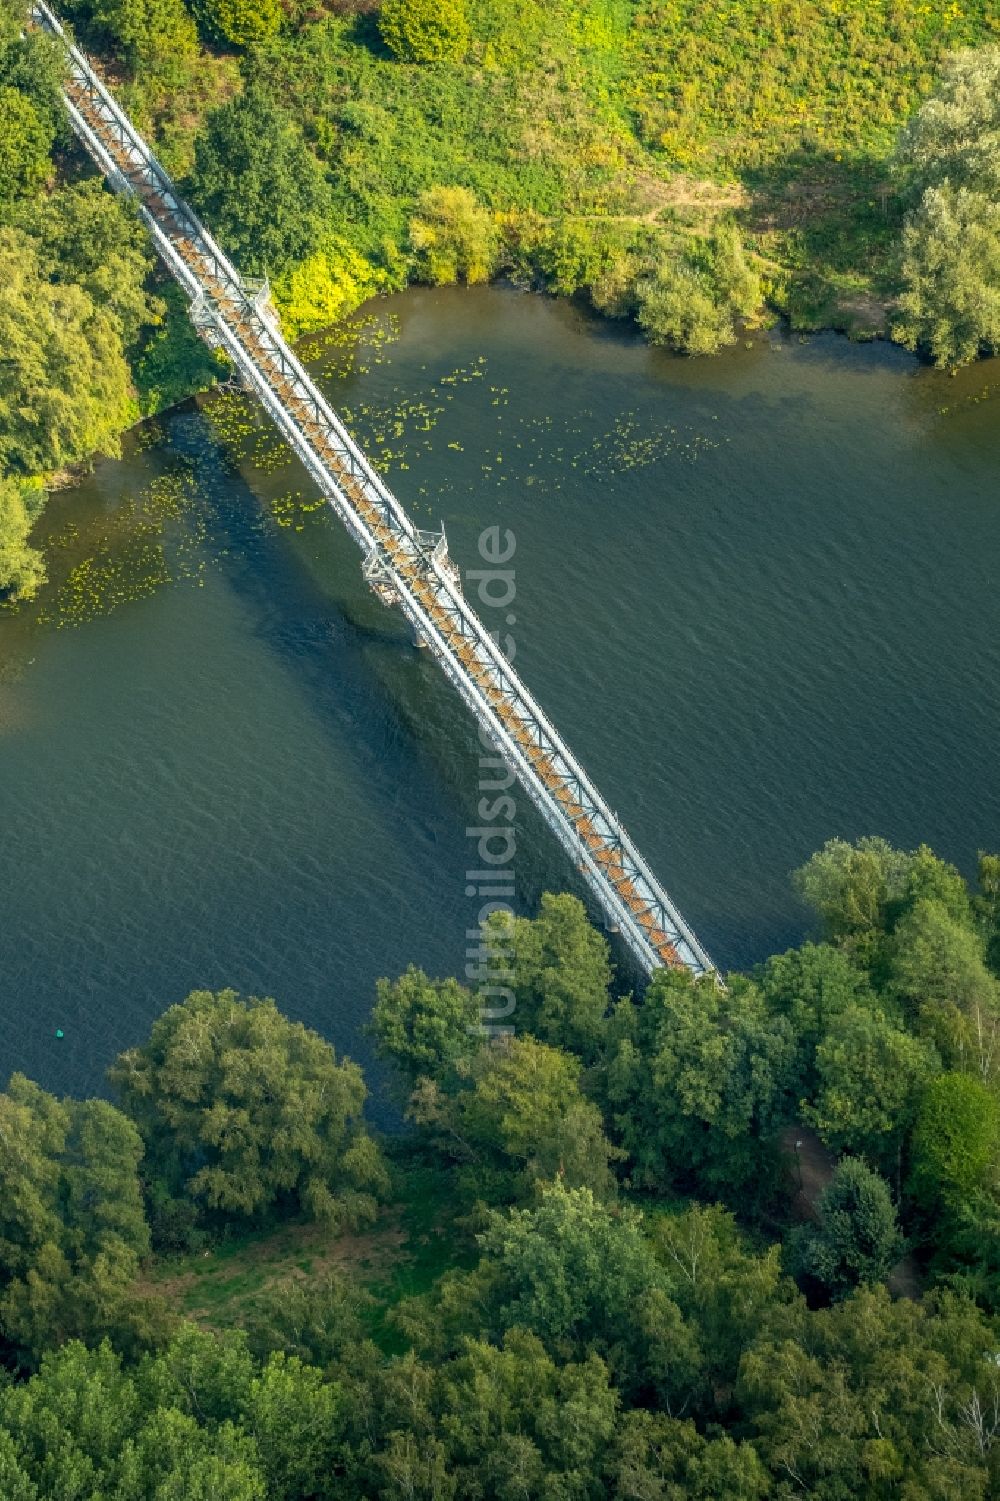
{"type": "Point", "coordinates": [758, 594]}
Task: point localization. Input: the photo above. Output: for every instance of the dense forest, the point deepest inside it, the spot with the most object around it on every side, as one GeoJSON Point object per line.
{"type": "Point", "coordinates": [690, 167]}
{"type": "Point", "coordinates": [712, 1243]}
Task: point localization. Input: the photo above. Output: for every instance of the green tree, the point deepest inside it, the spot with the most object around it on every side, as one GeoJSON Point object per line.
{"type": "Point", "coordinates": [22, 568]}
{"type": "Point", "coordinates": [84, 1426]}
{"type": "Point", "coordinates": [520, 1118]}
{"type": "Point", "coordinates": [950, 262]}
{"type": "Point", "coordinates": [560, 972]}
{"type": "Point", "coordinates": [172, 362]}
{"type": "Point", "coordinates": [930, 879]}
{"type": "Point", "coordinates": [724, 1290]}
{"type": "Point", "coordinates": [149, 32]}
{"type": "Point", "coordinates": [955, 135]}
{"type": "Point", "coordinates": [32, 64]}
{"type": "Point", "coordinates": [811, 986]}
{"type": "Point", "coordinates": [987, 907]}
{"type": "Point", "coordinates": [72, 1226]}
{"type": "Point", "coordinates": [699, 1082]}
{"type": "Point", "coordinates": [516, 1422]}
{"type": "Point", "coordinates": [258, 184]}
{"type": "Point", "coordinates": [950, 303]}
{"type": "Point", "coordinates": [955, 1150]}
{"type": "Point", "coordinates": [453, 237]}
{"type": "Point", "coordinates": [26, 139]}
{"type": "Point", "coordinates": [869, 1075]}
{"type": "Point", "coordinates": [65, 390]}
{"type": "Point", "coordinates": [528, 1100]}
{"type": "Point", "coordinates": [856, 1238]}
{"type": "Point", "coordinates": [501, 1419]}
{"type": "Point", "coordinates": [424, 1026]}
{"type": "Point", "coordinates": [692, 299]}
{"type": "Point", "coordinates": [87, 237]}
{"type": "Point", "coordinates": [850, 886]}
{"type": "Point", "coordinates": [810, 1423]}
{"type": "Point", "coordinates": [295, 1418]}
{"type": "Point", "coordinates": [587, 1281]}
{"type": "Point", "coordinates": [938, 971]}
{"type": "Point", "coordinates": [846, 1404]}
{"type": "Point", "coordinates": [245, 23]}
{"type": "Point", "coordinates": [240, 1108]}
{"type": "Point", "coordinates": [964, 1242]}
{"type": "Point", "coordinates": [667, 1458]}
{"type": "Point", "coordinates": [319, 1321]}
{"type": "Point", "coordinates": [425, 31]}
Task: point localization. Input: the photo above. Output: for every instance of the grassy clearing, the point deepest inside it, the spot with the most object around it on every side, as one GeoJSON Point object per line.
{"type": "Point", "coordinates": [413, 1242]}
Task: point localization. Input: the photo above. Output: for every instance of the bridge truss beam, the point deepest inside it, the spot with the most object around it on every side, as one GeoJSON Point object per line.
{"type": "Point", "coordinates": [404, 565]}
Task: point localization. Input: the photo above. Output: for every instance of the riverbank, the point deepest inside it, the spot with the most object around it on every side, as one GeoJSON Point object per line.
{"type": "Point", "coordinates": [594, 142]}
{"type": "Point", "coordinates": [694, 178]}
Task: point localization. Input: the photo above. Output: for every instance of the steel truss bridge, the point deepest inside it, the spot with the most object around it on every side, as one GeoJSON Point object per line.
{"type": "Point", "coordinates": [405, 566]}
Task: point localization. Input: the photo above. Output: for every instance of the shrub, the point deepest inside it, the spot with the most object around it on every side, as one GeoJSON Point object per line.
{"type": "Point", "coordinates": [453, 237]}
{"type": "Point", "coordinates": [324, 287]}
{"type": "Point", "coordinates": [244, 22]}
{"type": "Point", "coordinates": [691, 301]}
{"type": "Point", "coordinates": [425, 31]}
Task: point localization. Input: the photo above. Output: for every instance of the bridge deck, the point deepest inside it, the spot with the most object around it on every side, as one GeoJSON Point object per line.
{"type": "Point", "coordinates": [405, 566]}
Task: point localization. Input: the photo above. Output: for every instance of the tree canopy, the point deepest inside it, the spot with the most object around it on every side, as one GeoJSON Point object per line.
{"type": "Point", "coordinates": [258, 184]}
{"type": "Point", "coordinates": [425, 31]}
{"type": "Point", "coordinates": [65, 389]}
{"type": "Point", "coordinates": [424, 1026]}
{"type": "Point", "coordinates": [243, 22]}
{"type": "Point", "coordinates": [950, 302]}
{"type": "Point", "coordinates": [22, 568]}
{"type": "Point", "coordinates": [598, 1275]}
{"type": "Point", "coordinates": [856, 1239]}
{"type": "Point", "coordinates": [242, 1109]}
{"type": "Point", "coordinates": [72, 1224]}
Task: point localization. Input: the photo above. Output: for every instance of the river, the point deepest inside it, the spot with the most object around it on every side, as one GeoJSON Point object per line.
{"type": "Point", "coordinates": [757, 593]}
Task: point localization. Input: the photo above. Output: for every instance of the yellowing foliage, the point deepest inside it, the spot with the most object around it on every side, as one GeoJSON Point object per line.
{"type": "Point", "coordinates": [326, 286]}
{"type": "Point", "coordinates": [22, 569]}
{"type": "Point", "coordinates": [425, 31]}
{"type": "Point", "coordinates": [245, 22]}
{"type": "Point", "coordinates": [453, 236]}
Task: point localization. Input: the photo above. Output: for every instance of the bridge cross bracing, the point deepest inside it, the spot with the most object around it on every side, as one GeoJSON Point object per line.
{"type": "Point", "coordinates": [406, 566]}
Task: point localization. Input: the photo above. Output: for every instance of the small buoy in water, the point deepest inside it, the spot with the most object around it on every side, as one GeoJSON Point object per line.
{"type": "Point", "coordinates": [60, 1032]}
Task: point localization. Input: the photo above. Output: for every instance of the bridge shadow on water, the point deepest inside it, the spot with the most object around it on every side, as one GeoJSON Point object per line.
{"type": "Point", "coordinates": [379, 700]}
